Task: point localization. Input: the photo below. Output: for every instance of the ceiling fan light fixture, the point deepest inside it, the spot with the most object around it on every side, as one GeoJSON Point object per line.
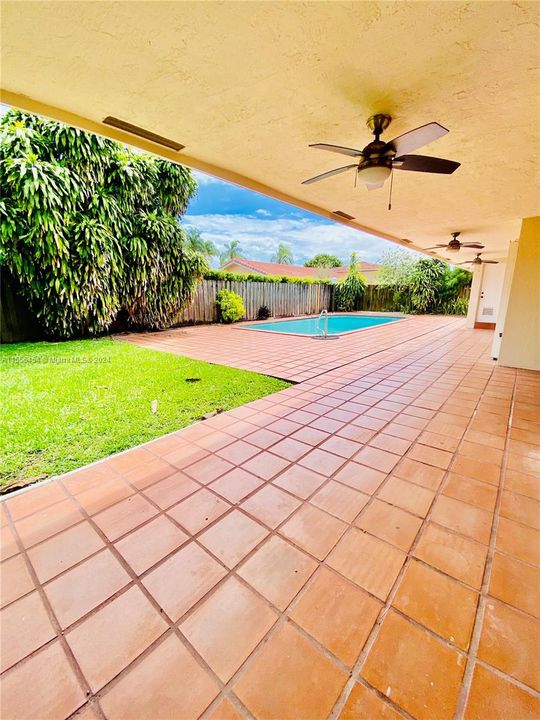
{"type": "Point", "coordinates": [375, 174]}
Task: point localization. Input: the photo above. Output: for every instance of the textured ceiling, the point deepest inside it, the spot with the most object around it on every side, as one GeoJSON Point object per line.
{"type": "Point", "coordinates": [245, 86]}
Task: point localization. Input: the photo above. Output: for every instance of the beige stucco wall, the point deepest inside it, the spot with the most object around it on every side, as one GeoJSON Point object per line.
{"type": "Point", "coordinates": [520, 344]}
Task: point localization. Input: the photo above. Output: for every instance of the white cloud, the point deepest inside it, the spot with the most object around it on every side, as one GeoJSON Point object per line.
{"type": "Point", "coordinates": [260, 237]}
{"type": "Point", "coordinates": [204, 179]}
{"type": "Point", "coordinates": [264, 213]}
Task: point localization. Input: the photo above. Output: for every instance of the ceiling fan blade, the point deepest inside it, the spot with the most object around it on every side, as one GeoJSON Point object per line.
{"type": "Point", "coordinates": [490, 262]}
{"type": "Point", "coordinates": [436, 247]}
{"type": "Point", "coordinates": [424, 163]}
{"type": "Point", "coordinates": [338, 149]}
{"type": "Point", "coordinates": [477, 246]}
{"type": "Point", "coordinates": [328, 174]}
{"type": "Point", "coordinates": [467, 262]}
{"type": "Point", "coordinates": [374, 186]}
{"type": "Point", "coordinates": [417, 138]}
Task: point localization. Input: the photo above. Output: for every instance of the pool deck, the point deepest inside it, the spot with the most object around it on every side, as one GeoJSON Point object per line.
{"type": "Point", "coordinates": [364, 544]}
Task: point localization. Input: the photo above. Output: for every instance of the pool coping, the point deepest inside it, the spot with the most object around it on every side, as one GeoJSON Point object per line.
{"type": "Point", "coordinates": [272, 321]}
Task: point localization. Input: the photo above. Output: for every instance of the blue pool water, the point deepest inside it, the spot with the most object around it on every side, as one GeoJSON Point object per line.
{"type": "Point", "coordinates": [312, 326]}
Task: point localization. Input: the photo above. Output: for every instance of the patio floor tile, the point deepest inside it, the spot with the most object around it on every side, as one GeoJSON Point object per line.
{"type": "Point", "coordinates": [104, 644]}
{"type": "Point", "coordinates": [30, 502]}
{"type": "Point", "coordinates": [521, 509]}
{"type": "Point", "coordinates": [236, 453]}
{"type": "Point", "coordinates": [150, 543]}
{"type": "Point", "coordinates": [199, 510]}
{"type": "Point", "coordinates": [462, 518]}
{"type": "Point", "coordinates": [389, 523]}
{"type": "Point", "coordinates": [225, 710]}
{"type": "Point", "coordinates": [124, 516]}
{"type": "Point", "coordinates": [28, 686]}
{"type": "Point", "coordinates": [418, 672]}
{"type": "Point", "coordinates": [519, 541]}
{"type": "Point", "coordinates": [15, 580]}
{"type": "Point", "coordinates": [416, 472]}
{"type": "Point", "coordinates": [270, 505]}
{"type": "Point", "coordinates": [64, 550]}
{"type": "Point", "coordinates": [228, 626]}
{"type": "Point", "coordinates": [337, 614]}
{"type": "Point", "coordinates": [236, 484]}
{"type": "Point", "coordinates": [321, 461]}
{"type": "Point", "coordinates": [339, 500]}
{"type": "Point", "coordinates": [377, 459]}
{"type": "Point", "coordinates": [156, 687]}
{"type": "Point", "coordinates": [171, 490]}
{"type": "Point", "coordinates": [406, 495]}
{"type": "Point", "coordinates": [86, 586]}
{"type": "Point", "coordinates": [278, 571]}
{"type": "Point", "coordinates": [233, 537]}
{"type": "Point", "coordinates": [516, 583]}
{"type": "Point", "coordinates": [25, 627]}
{"type": "Point", "coordinates": [493, 697]}
{"type": "Point", "coordinates": [360, 477]}
{"type": "Point", "coordinates": [437, 602]}
{"type": "Point", "coordinates": [183, 579]}
{"type": "Point", "coordinates": [453, 554]}
{"type": "Point", "coordinates": [265, 465]}
{"type": "Point", "coordinates": [47, 522]}
{"type": "Point", "coordinates": [509, 641]}
{"type": "Point", "coordinates": [364, 703]}
{"type": "Point", "coordinates": [474, 492]}
{"type": "Point", "coordinates": [380, 564]}
{"type": "Point", "coordinates": [299, 481]}
{"type": "Point", "coordinates": [313, 530]}
{"type": "Point", "coordinates": [290, 679]}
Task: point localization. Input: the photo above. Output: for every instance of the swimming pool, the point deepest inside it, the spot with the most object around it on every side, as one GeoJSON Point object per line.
{"type": "Point", "coordinates": [337, 324]}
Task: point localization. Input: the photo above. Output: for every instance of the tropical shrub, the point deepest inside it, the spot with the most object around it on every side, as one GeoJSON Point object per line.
{"type": "Point", "coordinates": [350, 290]}
{"type": "Point", "coordinates": [264, 313]}
{"type": "Point", "coordinates": [424, 285]}
{"type": "Point", "coordinates": [253, 277]}
{"type": "Point", "coordinates": [230, 306]}
{"type": "Point", "coordinates": [90, 229]}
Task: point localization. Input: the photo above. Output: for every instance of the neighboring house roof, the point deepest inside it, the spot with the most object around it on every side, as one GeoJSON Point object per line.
{"type": "Point", "coordinates": [268, 268]}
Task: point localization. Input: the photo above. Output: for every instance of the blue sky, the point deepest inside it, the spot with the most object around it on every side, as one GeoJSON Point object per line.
{"type": "Point", "coordinates": [224, 212]}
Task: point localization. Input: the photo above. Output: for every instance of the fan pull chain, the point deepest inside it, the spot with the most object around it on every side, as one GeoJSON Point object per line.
{"type": "Point", "coordinates": [391, 186]}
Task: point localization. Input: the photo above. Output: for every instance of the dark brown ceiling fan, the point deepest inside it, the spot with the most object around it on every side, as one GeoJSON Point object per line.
{"type": "Point", "coordinates": [455, 245]}
{"type": "Point", "coordinates": [376, 161]}
{"type": "Point", "coordinates": [478, 261]}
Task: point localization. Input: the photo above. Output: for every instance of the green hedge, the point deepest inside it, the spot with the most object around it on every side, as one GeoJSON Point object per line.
{"type": "Point", "coordinates": [253, 277]}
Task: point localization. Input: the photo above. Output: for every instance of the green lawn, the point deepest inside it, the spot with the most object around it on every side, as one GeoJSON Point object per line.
{"type": "Point", "coordinates": [68, 404]}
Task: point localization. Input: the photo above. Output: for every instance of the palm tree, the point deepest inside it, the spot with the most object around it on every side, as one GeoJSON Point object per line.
{"type": "Point", "coordinates": [283, 255]}
{"type": "Point", "coordinates": [199, 244]}
{"type": "Point", "coordinates": [230, 251]}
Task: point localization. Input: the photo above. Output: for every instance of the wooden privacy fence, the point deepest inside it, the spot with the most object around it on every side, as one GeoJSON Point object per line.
{"type": "Point", "coordinates": [282, 299]}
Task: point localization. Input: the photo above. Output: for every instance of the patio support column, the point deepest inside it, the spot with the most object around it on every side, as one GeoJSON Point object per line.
{"type": "Point", "coordinates": [474, 297]}
{"type": "Point", "coordinates": [520, 342]}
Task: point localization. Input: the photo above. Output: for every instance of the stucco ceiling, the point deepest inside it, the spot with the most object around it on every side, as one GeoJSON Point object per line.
{"type": "Point", "coordinates": [246, 86]}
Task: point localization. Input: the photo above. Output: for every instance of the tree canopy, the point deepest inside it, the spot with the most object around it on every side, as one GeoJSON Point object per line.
{"type": "Point", "coordinates": [323, 260]}
{"type": "Point", "coordinates": [284, 255]}
{"type": "Point", "coordinates": [231, 250]}
{"type": "Point", "coordinates": [90, 229]}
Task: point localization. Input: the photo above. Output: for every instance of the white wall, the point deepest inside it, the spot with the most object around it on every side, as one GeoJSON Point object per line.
{"type": "Point", "coordinates": [490, 293]}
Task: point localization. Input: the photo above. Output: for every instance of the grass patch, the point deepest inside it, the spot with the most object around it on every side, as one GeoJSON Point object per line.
{"type": "Point", "coordinates": [67, 404]}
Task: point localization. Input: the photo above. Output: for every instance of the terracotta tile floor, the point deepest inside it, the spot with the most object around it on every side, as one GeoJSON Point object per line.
{"type": "Point", "coordinates": [364, 544]}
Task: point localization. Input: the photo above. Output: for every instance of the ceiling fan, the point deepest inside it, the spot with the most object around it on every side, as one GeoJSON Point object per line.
{"type": "Point", "coordinates": [377, 160]}
{"type": "Point", "coordinates": [455, 245]}
{"type": "Point", "coordinates": [478, 261]}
